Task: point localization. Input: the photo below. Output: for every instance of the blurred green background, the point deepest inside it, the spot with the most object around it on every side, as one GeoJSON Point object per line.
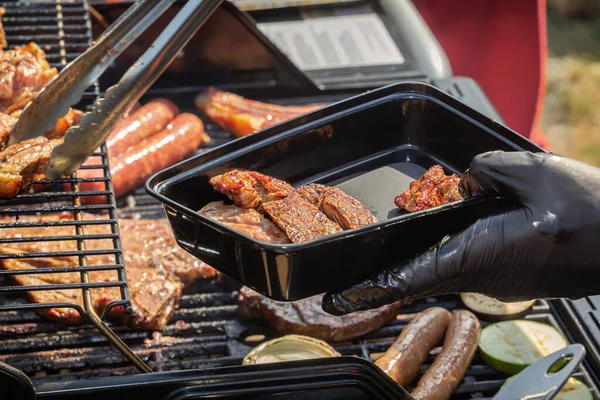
{"type": "Point", "coordinates": [571, 116]}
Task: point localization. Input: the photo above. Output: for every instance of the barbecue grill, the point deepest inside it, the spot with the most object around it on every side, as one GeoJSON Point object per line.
{"type": "Point", "coordinates": [205, 332]}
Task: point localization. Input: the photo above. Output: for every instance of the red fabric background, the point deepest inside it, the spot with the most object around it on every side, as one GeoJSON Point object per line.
{"type": "Point", "coordinates": [502, 44]}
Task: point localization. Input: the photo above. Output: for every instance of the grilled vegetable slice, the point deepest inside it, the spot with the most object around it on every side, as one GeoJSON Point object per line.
{"type": "Point", "coordinates": [289, 348]}
{"type": "Point", "coordinates": [511, 346]}
{"type": "Point", "coordinates": [491, 309]}
{"type": "Point", "coordinates": [574, 389]}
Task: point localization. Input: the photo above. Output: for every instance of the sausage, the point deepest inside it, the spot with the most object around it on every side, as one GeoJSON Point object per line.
{"type": "Point", "coordinates": [449, 367]}
{"type": "Point", "coordinates": [147, 120]}
{"type": "Point", "coordinates": [402, 360]}
{"type": "Point", "coordinates": [131, 168]}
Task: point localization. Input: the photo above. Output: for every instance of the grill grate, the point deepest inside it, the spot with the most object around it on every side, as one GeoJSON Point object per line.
{"type": "Point", "coordinates": [49, 23]}
{"type": "Point", "coordinates": [204, 332]}
{"type": "Point", "coordinates": [28, 237]}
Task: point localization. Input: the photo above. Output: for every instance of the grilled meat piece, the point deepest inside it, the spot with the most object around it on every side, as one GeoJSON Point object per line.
{"type": "Point", "coordinates": [24, 69]}
{"type": "Point", "coordinates": [306, 317]}
{"type": "Point", "coordinates": [345, 210]}
{"type": "Point", "coordinates": [24, 163]}
{"type": "Point", "coordinates": [245, 220]}
{"type": "Point", "coordinates": [432, 189]}
{"type": "Point", "coordinates": [145, 242]}
{"type": "Point", "coordinates": [7, 121]}
{"type": "Point", "coordinates": [154, 292]}
{"type": "Point", "coordinates": [3, 43]}
{"type": "Point", "coordinates": [299, 219]}
{"type": "Point", "coordinates": [248, 189]}
{"type": "Point", "coordinates": [243, 117]}
{"type": "Point", "coordinates": [151, 242]}
{"type": "Point", "coordinates": [155, 267]}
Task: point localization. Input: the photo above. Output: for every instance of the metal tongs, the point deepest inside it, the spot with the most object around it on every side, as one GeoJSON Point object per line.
{"type": "Point", "coordinates": [537, 383]}
{"type": "Point", "coordinates": [67, 88]}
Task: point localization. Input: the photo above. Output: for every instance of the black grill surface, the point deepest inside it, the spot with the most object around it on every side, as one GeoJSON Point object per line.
{"type": "Point", "coordinates": [204, 332]}
{"type": "Point", "coordinates": [62, 30]}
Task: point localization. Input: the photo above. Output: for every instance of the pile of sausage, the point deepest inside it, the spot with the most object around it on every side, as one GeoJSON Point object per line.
{"type": "Point", "coordinates": [147, 140]}
{"type": "Point", "coordinates": [404, 358]}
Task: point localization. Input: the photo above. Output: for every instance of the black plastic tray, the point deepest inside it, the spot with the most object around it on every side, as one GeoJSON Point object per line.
{"type": "Point", "coordinates": [371, 146]}
{"type": "Point", "coordinates": [339, 378]}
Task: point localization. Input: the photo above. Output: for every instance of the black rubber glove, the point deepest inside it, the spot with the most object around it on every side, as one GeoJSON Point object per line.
{"type": "Point", "coordinates": [547, 249]}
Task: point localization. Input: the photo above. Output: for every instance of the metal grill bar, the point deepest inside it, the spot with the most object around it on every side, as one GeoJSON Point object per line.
{"type": "Point", "coordinates": [62, 30]}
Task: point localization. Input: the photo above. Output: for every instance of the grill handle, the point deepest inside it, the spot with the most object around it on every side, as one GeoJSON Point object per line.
{"type": "Point", "coordinates": [14, 384]}
{"type": "Point", "coordinates": [81, 141]}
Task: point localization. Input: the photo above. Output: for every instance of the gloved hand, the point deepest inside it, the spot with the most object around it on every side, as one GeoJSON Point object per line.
{"type": "Point", "coordinates": [549, 248]}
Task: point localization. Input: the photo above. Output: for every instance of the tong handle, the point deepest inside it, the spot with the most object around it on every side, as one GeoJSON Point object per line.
{"type": "Point", "coordinates": [535, 381]}
{"type": "Point", "coordinates": [81, 141]}
{"type": "Point", "coordinates": [66, 89]}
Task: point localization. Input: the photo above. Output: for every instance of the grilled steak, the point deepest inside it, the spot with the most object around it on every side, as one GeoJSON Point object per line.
{"type": "Point", "coordinates": [245, 220]}
{"type": "Point", "coordinates": [24, 163]}
{"type": "Point", "coordinates": [154, 292]}
{"type": "Point", "coordinates": [306, 317]}
{"type": "Point", "coordinates": [432, 189]}
{"type": "Point", "coordinates": [345, 210]}
{"type": "Point", "coordinates": [299, 219]}
{"type": "Point", "coordinates": [151, 242]}
{"type": "Point", "coordinates": [145, 242]}
{"type": "Point", "coordinates": [303, 214]}
{"type": "Point", "coordinates": [249, 189]}
{"type": "Point", "coordinates": [154, 264]}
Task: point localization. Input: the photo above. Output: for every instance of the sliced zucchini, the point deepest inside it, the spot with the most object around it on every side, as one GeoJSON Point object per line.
{"type": "Point", "coordinates": [511, 346]}
{"type": "Point", "coordinates": [490, 309]}
{"type": "Point", "coordinates": [574, 389]}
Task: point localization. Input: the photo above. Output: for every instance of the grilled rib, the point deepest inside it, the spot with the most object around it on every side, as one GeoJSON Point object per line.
{"type": "Point", "coordinates": [345, 210]}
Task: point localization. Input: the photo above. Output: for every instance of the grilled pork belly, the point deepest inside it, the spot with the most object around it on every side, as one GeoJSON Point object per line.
{"type": "Point", "coordinates": [245, 220]}
{"type": "Point", "coordinates": [345, 210]}
{"type": "Point", "coordinates": [432, 189]}
{"type": "Point", "coordinates": [243, 117]}
{"type": "Point", "coordinates": [306, 317]}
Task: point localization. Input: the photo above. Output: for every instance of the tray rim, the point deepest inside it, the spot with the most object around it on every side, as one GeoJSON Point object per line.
{"type": "Point", "coordinates": [241, 146]}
